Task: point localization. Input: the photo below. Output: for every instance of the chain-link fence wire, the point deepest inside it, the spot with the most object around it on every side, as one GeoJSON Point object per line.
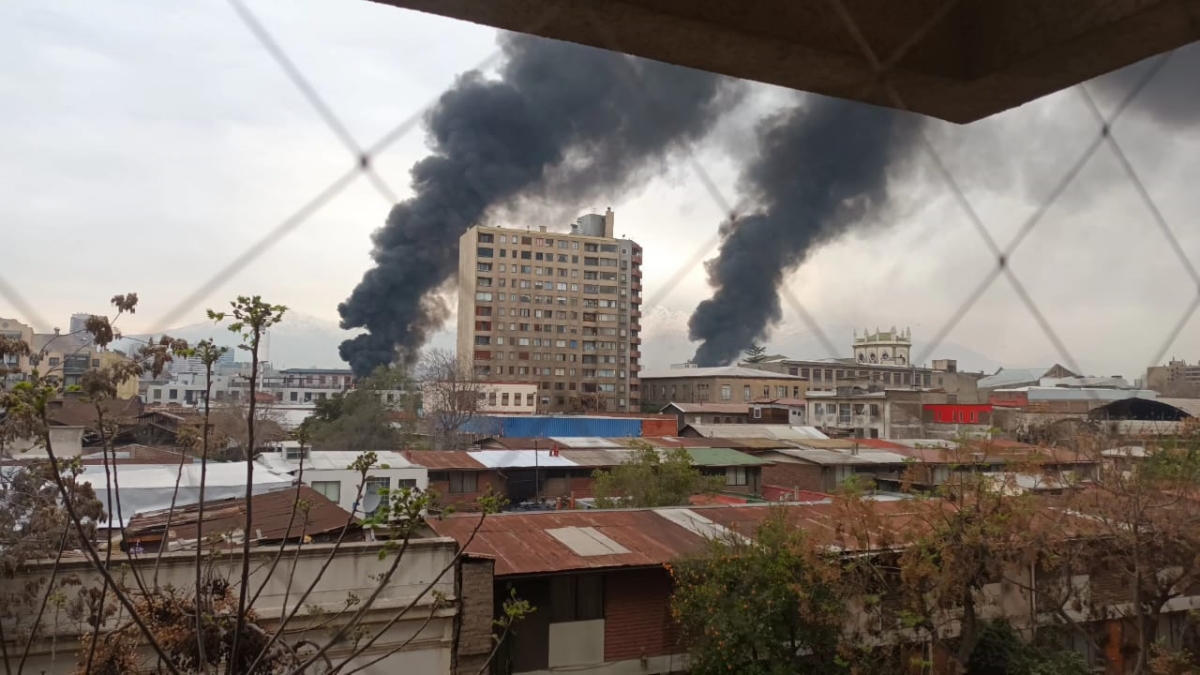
{"type": "Point", "coordinates": [363, 157]}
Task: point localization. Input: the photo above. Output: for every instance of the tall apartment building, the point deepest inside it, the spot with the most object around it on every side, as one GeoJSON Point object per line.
{"type": "Point", "coordinates": [560, 310]}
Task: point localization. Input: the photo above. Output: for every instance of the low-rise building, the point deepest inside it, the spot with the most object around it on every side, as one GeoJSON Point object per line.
{"type": "Point", "coordinates": [722, 385]}
{"type": "Point", "coordinates": [708, 413]}
{"type": "Point", "coordinates": [329, 472]}
{"type": "Point", "coordinates": [880, 359]}
{"type": "Point", "coordinates": [551, 476]}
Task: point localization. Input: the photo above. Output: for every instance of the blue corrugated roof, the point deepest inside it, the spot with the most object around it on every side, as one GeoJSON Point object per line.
{"type": "Point", "coordinates": [534, 426]}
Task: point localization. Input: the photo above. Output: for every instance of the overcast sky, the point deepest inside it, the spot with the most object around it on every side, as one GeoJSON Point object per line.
{"type": "Point", "coordinates": [147, 144]}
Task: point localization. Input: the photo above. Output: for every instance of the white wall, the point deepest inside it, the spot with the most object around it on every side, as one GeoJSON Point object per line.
{"type": "Point", "coordinates": [351, 572]}
{"type": "Point", "coordinates": [350, 479]}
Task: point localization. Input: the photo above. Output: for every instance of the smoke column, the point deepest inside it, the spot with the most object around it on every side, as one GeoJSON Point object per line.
{"type": "Point", "coordinates": [563, 122]}
{"type": "Point", "coordinates": [821, 168]}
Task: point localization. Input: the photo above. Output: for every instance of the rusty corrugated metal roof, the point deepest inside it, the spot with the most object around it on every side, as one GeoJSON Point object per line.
{"type": "Point", "coordinates": [533, 543]}
{"type": "Point", "coordinates": [520, 545]}
{"type": "Point", "coordinates": [435, 460]}
{"type": "Point", "coordinates": [273, 517]}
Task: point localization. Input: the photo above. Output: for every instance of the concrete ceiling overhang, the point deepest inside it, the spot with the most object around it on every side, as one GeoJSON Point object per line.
{"type": "Point", "coordinates": [961, 61]}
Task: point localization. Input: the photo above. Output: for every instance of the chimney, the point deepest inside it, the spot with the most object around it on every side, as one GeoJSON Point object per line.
{"type": "Point", "coordinates": [609, 222]}
{"type": "Point", "coordinates": [541, 228]}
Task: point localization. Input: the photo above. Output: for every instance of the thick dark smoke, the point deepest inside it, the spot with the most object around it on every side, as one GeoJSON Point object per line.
{"type": "Point", "coordinates": [821, 169]}
{"type": "Point", "coordinates": [563, 122]}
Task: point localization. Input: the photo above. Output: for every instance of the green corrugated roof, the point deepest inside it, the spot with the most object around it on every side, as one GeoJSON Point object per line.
{"type": "Point", "coordinates": [723, 457]}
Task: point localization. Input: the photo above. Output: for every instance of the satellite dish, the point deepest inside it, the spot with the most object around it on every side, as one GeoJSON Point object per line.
{"type": "Point", "coordinates": [371, 499]}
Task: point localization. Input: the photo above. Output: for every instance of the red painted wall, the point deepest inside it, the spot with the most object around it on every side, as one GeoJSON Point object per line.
{"type": "Point", "coordinates": [653, 428]}
{"type": "Point", "coordinates": [637, 615]}
{"type": "Point", "coordinates": [953, 413]}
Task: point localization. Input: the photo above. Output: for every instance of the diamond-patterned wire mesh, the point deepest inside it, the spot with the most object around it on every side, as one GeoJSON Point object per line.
{"type": "Point", "coordinates": [362, 157]}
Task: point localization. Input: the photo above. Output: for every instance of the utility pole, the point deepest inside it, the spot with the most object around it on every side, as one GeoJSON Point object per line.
{"type": "Point", "coordinates": [537, 486]}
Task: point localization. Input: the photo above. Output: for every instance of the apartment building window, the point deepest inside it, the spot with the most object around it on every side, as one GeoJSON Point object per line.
{"type": "Point", "coordinates": [54, 361]}
{"type": "Point", "coordinates": [158, 394]}
{"type": "Point", "coordinates": [483, 252]}
{"type": "Point", "coordinates": [736, 475]}
{"type": "Point", "coordinates": [485, 238]}
{"type": "Point", "coordinates": [793, 371]}
{"type": "Point", "coordinates": [294, 397]}
{"type": "Point", "coordinates": [503, 239]}
{"type": "Point", "coordinates": [804, 372]}
{"type": "Point", "coordinates": [766, 391]}
{"type": "Point", "coordinates": [330, 489]}
{"type": "Point", "coordinates": [726, 392]}
{"type": "Point", "coordinates": [844, 414]}
{"type": "Point", "coordinates": [483, 297]}
{"type": "Point", "coordinates": [816, 375]}
{"type": "Point", "coordinates": [173, 395]}
{"type": "Point", "coordinates": [746, 393]}
{"type": "Point", "coordinates": [504, 398]}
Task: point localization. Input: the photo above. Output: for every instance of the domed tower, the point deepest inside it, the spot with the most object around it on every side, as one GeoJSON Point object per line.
{"type": "Point", "coordinates": [886, 348]}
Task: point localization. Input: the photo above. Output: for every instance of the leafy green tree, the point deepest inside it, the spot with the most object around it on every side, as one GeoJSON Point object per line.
{"type": "Point", "coordinates": [1002, 651]}
{"type": "Point", "coordinates": [362, 419]}
{"type": "Point", "coordinates": [755, 353]}
{"type": "Point", "coordinates": [767, 607]}
{"type": "Point", "coordinates": [652, 478]}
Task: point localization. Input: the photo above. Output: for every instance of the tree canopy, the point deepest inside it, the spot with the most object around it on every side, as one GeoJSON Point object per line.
{"type": "Point", "coordinates": [755, 353]}
{"type": "Point", "coordinates": [361, 419]}
{"type": "Point", "coordinates": [651, 478]}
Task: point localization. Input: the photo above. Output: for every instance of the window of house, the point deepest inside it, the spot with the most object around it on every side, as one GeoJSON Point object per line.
{"type": "Point", "coordinates": [726, 392]}
{"type": "Point", "coordinates": [504, 398]}
{"type": "Point", "coordinates": [464, 482]}
{"type": "Point", "coordinates": [295, 396]}
{"type": "Point", "coordinates": [330, 489]}
{"type": "Point", "coordinates": [757, 413]}
{"type": "Point", "coordinates": [736, 475]}
{"type": "Point", "coordinates": [173, 394]}
{"type": "Point", "coordinates": [746, 393]}
{"type": "Point", "coordinates": [576, 597]}
{"type": "Point", "coordinates": [766, 391]}
{"type": "Point", "coordinates": [54, 361]}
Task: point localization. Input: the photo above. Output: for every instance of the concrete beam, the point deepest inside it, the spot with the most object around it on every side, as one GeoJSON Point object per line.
{"type": "Point", "coordinates": [961, 61]}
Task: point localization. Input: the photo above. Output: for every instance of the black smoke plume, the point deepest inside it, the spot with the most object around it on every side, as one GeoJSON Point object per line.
{"type": "Point", "coordinates": [822, 168]}
{"type": "Point", "coordinates": [563, 123]}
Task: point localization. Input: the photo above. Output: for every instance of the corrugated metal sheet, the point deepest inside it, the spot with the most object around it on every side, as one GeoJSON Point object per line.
{"type": "Point", "coordinates": [548, 427]}
{"type": "Point", "coordinates": [597, 458]}
{"type": "Point", "coordinates": [273, 518]}
{"type": "Point", "coordinates": [445, 459]}
{"type": "Point", "coordinates": [777, 431]}
{"type": "Point", "coordinates": [520, 545]}
{"type": "Point", "coordinates": [723, 457]}
{"type": "Point", "coordinates": [590, 442]}
{"type": "Point", "coordinates": [660, 427]}
{"type": "Point", "coordinates": [513, 459]}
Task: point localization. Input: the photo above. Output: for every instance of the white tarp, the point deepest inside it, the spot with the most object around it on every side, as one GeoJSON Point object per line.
{"type": "Point", "coordinates": [149, 487]}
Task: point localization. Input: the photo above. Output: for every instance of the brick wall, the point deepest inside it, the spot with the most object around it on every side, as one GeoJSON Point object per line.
{"type": "Point", "coordinates": [637, 615]}
{"type": "Point", "coordinates": [804, 476]}
{"type": "Point", "coordinates": [473, 626]}
{"type": "Point", "coordinates": [466, 501]}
